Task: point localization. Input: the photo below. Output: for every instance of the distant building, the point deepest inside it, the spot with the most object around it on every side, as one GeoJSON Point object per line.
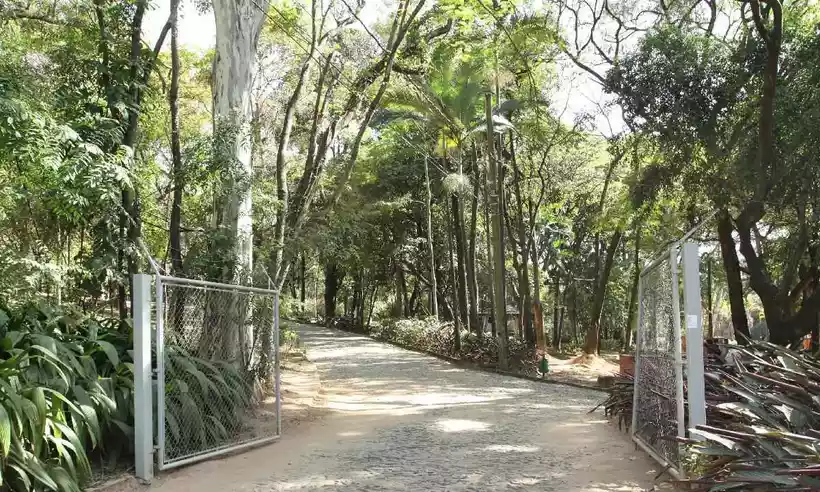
{"type": "Point", "coordinates": [513, 316]}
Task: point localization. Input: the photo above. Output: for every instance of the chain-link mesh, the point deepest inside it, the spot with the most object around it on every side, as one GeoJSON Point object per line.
{"type": "Point", "coordinates": [656, 405]}
{"type": "Point", "coordinates": [218, 355]}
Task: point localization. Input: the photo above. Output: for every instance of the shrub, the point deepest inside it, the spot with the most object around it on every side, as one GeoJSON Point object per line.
{"type": "Point", "coordinates": [436, 336]}
{"type": "Point", "coordinates": [66, 388]}
{"type": "Point", "coordinates": [208, 398]}
{"type": "Point", "coordinates": [66, 396]}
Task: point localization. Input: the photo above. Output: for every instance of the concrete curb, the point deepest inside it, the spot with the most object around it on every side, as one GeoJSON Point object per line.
{"type": "Point", "coordinates": [475, 366]}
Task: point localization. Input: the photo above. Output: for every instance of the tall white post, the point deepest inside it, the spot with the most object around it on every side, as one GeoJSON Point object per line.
{"type": "Point", "coordinates": [637, 367]}
{"type": "Point", "coordinates": [677, 340]}
{"type": "Point", "coordinates": [277, 375]}
{"type": "Point", "coordinates": [143, 407]}
{"type": "Point", "coordinates": [694, 334]}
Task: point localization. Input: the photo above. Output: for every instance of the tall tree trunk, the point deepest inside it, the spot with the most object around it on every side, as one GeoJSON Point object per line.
{"type": "Point", "coordinates": [238, 25]}
{"type": "Point", "coordinates": [358, 301]}
{"type": "Point", "coordinates": [556, 305]}
{"type": "Point", "coordinates": [401, 293]}
{"type": "Point", "coordinates": [472, 281]}
{"type": "Point", "coordinates": [710, 308]}
{"type": "Point", "coordinates": [496, 192]}
{"type": "Point", "coordinates": [412, 303]}
{"type": "Point", "coordinates": [523, 245]}
{"type": "Point", "coordinates": [372, 303]}
{"type": "Point", "coordinates": [461, 256]}
{"type": "Point", "coordinates": [593, 334]}
{"type": "Point", "coordinates": [430, 246]}
{"type": "Point", "coordinates": [489, 244]}
{"type": "Point", "coordinates": [175, 225]}
{"type": "Point", "coordinates": [302, 281]}
{"type": "Point", "coordinates": [537, 306]}
{"type": "Point", "coordinates": [772, 38]}
{"type": "Point", "coordinates": [139, 73]}
{"type": "Point", "coordinates": [277, 267]}
{"type": "Point", "coordinates": [626, 338]}
{"type": "Point", "coordinates": [731, 265]}
{"type": "Point", "coordinates": [333, 280]}
{"type": "Point", "coordinates": [457, 311]}
{"type": "Point", "coordinates": [128, 217]}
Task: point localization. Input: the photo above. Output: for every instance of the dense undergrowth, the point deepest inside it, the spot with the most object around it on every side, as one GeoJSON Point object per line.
{"type": "Point", "coordinates": [66, 397]}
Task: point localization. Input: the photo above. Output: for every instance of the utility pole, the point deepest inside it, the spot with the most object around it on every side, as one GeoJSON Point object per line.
{"type": "Point", "coordinates": [496, 184]}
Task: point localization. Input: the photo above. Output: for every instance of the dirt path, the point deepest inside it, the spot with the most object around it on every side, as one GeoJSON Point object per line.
{"type": "Point", "coordinates": [397, 420]}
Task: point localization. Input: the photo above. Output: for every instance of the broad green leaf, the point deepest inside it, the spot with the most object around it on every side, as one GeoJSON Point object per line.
{"type": "Point", "coordinates": [63, 480]}
{"type": "Point", "coordinates": [39, 399]}
{"type": "Point", "coordinates": [36, 470]}
{"type": "Point", "coordinates": [110, 352]}
{"type": "Point", "coordinates": [89, 414]}
{"type": "Point", "coordinates": [172, 425]}
{"type": "Point", "coordinates": [82, 459]}
{"type": "Point", "coordinates": [217, 428]}
{"type": "Point", "coordinates": [62, 398]}
{"type": "Point", "coordinates": [5, 431]}
{"type": "Point", "coordinates": [22, 476]}
{"type": "Point", "coordinates": [62, 446]}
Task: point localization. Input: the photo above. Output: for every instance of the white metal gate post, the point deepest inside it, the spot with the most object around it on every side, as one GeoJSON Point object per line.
{"type": "Point", "coordinates": [143, 406]}
{"type": "Point", "coordinates": [637, 368]}
{"type": "Point", "coordinates": [276, 375]}
{"type": "Point", "coordinates": [676, 340]}
{"type": "Point", "coordinates": [160, 350]}
{"type": "Point", "coordinates": [694, 334]}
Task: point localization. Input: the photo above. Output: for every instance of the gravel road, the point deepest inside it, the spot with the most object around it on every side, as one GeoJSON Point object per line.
{"type": "Point", "coordinates": [398, 420]}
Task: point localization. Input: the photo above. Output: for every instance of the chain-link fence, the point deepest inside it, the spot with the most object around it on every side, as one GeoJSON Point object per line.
{"type": "Point", "coordinates": [658, 384]}
{"type": "Point", "coordinates": [217, 369]}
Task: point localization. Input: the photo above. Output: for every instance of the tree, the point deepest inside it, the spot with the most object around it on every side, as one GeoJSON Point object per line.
{"type": "Point", "coordinates": [238, 25]}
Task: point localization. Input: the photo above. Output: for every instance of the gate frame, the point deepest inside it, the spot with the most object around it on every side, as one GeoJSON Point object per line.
{"type": "Point", "coordinates": [145, 447]}
{"type": "Point", "coordinates": [690, 264]}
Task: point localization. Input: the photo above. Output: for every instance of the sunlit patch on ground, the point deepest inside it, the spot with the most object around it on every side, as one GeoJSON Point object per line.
{"type": "Point", "coordinates": [450, 425]}
{"type": "Point", "coordinates": [507, 448]}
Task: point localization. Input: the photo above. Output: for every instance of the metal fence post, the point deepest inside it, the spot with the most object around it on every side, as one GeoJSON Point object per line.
{"type": "Point", "coordinates": [160, 351]}
{"type": "Point", "coordinates": [637, 368]}
{"type": "Point", "coordinates": [143, 406]}
{"type": "Point", "coordinates": [677, 341]}
{"type": "Point", "coordinates": [694, 334]}
{"type": "Point", "coordinates": [277, 356]}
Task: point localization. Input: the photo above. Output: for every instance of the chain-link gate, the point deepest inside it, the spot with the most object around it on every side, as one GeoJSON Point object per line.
{"type": "Point", "coordinates": [658, 406]}
{"type": "Point", "coordinates": [659, 415]}
{"type": "Point", "coordinates": [216, 352]}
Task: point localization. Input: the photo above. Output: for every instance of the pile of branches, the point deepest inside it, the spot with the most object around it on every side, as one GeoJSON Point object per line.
{"type": "Point", "coordinates": [763, 409]}
{"type": "Point", "coordinates": [618, 404]}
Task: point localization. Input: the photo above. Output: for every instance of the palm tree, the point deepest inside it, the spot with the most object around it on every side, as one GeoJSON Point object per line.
{"type": "Point", "coordinates": [448, 103]}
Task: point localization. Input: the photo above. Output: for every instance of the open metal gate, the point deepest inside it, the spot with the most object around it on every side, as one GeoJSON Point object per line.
{"type": "Point", "coordinates": [667, 362]}
{"type": "Point", "coordinates": [211, 358]}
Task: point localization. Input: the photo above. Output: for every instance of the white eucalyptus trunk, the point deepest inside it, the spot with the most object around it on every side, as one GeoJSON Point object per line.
{"type": "Point", "coordinates": [238, 24]}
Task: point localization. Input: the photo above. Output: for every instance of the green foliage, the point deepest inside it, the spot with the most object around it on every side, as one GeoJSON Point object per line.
{"type": "Point", "coordinates": [434, 336]}
{"type": "Point", "coordinates": [62, 167]}
{"type": "Point", "coordinates": [205, 400]}
{"type": "Point", "coordinates": [66, 393]}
